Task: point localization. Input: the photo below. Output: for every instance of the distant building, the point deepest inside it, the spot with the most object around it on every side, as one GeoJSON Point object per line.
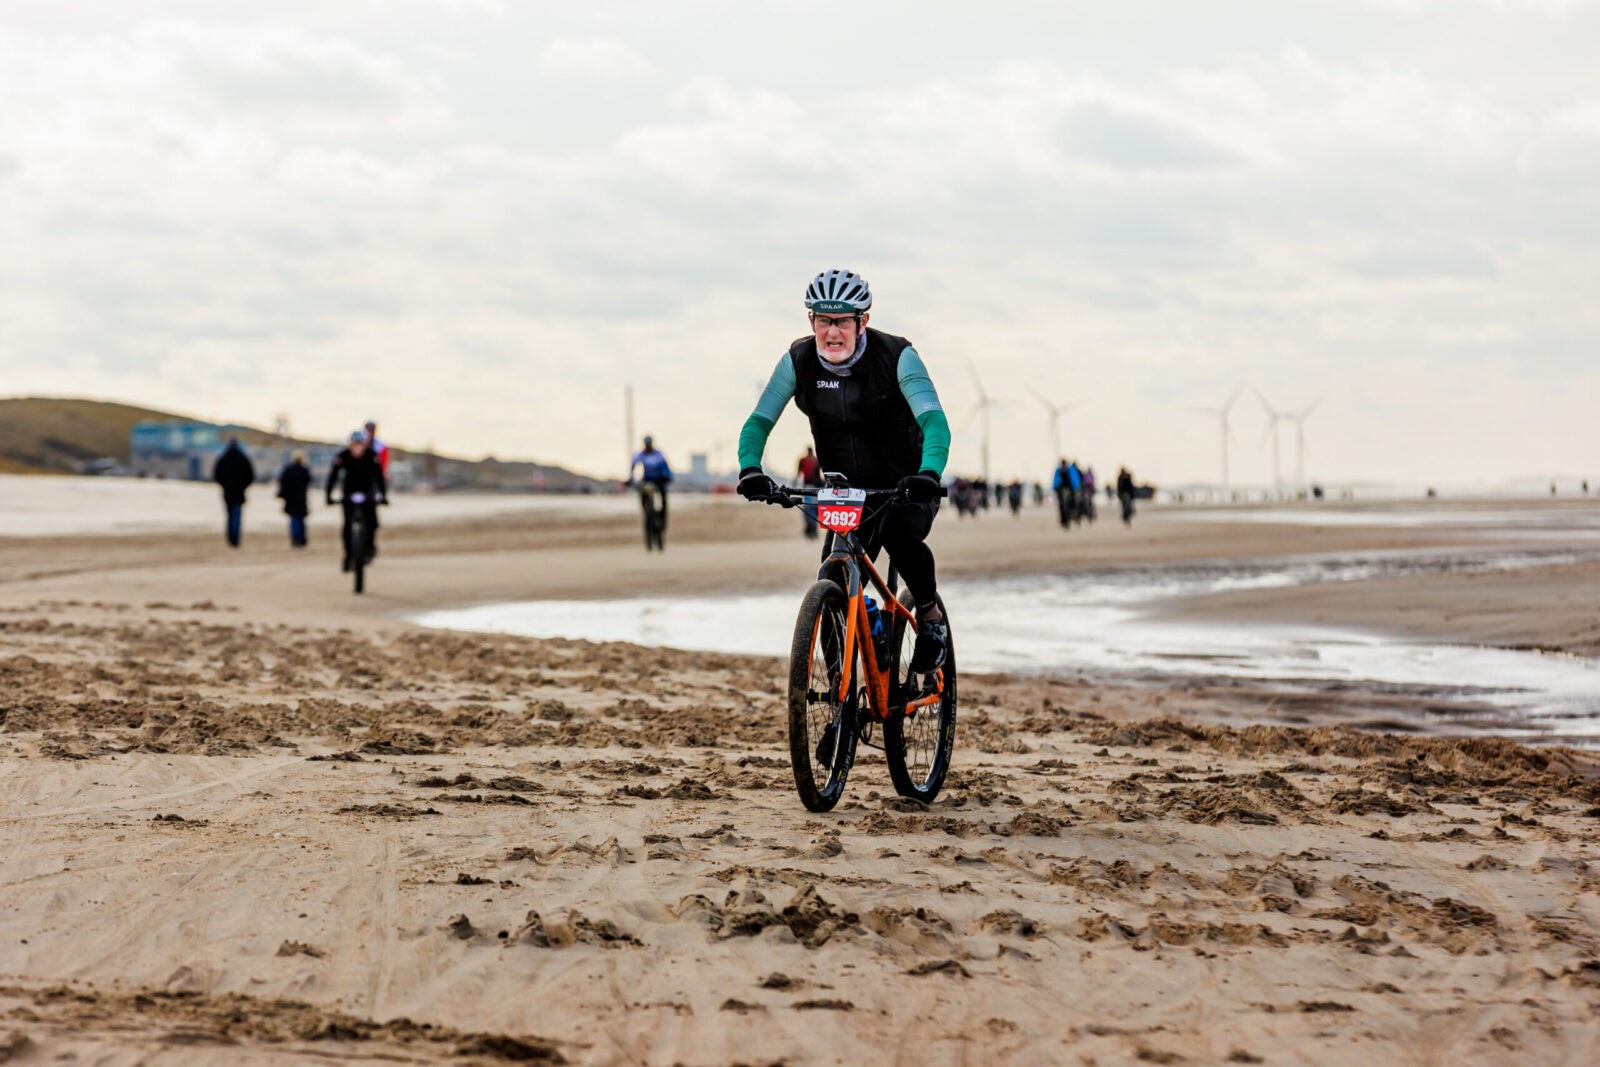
{"type": "Point", "coordinates": [186, 451]}
{"type": "Point", "coordinates": [700, 478]}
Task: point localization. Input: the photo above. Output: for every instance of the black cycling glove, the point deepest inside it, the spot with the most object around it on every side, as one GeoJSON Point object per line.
{"type": "Point", "coordinates": [755, 485]}
{"type": "Point", "coordinates": [920, 488]}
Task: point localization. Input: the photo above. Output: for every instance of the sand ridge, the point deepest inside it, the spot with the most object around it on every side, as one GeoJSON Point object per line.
{"type": "Point", "coordinates": [251, 841]}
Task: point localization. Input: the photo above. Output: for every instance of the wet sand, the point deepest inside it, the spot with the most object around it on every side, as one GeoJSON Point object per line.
{"type": "Point", "coordinates": [246, 816]}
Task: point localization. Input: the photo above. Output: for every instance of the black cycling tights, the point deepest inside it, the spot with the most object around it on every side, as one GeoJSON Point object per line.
{"type": "Point", "coordinates": [903, 530]}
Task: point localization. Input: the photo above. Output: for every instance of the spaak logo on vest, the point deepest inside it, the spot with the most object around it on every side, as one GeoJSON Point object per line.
{"type": "Point", "coordinates": [829, 385]}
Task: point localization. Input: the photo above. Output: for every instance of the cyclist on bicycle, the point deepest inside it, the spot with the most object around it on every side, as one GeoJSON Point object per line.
{"type": "Point", "coordinates": [654, 470]}
{"type": "Point", "coordinates": [363, 477]}
{"type": "Point", "coordinates": [876, 419]}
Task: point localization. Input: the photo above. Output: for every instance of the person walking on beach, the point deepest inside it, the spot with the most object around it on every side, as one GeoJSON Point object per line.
{"type": "Point", "coordinates": [1059, 486]}
{"type": "Point", "coordinates": [293, 483]}
{"type": "Point", "coordinates": [876, 419]}
{"type": "Point", "coordinates": [1125, 493]}
{"type": "Point", "coordinates": [235, 474]}
{"type": "Point", "coordinates": [1075, 490]}
{"type": "Point", "coordinates": [810, 476]}
{"type": "Point", "coordinates": [380, 451]}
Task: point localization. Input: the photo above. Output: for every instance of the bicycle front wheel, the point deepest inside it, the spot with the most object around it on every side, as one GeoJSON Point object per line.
{"type": "Point", "coordinates": [358, 538]}
{"type": "Point", "coordinates": [822, 727]}
{"type": "Point", "coordinates": [918, 747]}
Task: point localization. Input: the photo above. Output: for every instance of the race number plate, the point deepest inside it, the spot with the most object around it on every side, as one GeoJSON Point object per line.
{"type": "Point", "coordinates": [839, 510]}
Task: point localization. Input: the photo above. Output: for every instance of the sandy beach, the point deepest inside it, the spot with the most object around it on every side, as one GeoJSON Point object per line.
{"type": "Point", "coordinates": [248, 817]}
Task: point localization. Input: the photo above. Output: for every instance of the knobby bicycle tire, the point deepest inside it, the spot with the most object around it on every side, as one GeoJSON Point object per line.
{"type": "Point", "coordinates": [821, 621]}
{"type": "Point", "coordinates": [655, 526]}
{"type": "Point", "coordinates": [358, 565]}
{"type": "Point", "coordinates": [913, 775]}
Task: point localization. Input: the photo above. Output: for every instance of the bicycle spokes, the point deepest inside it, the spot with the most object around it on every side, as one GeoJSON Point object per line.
{"type": "Point", "coordinates": [918, 701]}
{"type": "Point", "coordinates": [825, 711]}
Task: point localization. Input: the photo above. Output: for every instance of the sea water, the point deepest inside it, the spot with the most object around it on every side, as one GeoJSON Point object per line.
{"type": "Point", "coordinates": [1104, 623]}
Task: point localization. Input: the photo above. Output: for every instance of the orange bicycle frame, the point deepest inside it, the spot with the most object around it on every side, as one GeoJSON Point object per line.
{"type": "Point", "coordinates": [877, 676]}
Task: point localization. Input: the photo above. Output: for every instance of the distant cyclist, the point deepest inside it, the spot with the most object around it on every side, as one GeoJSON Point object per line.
{"type": "Point", "coordinates": [363, 477]}
{"type": "Point", "coordinates": [876, 419]}
{"type": "Point", "coordinates": [654, 471]}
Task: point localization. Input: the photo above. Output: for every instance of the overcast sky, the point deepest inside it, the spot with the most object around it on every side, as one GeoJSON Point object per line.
{"type": "Point", "coordinates": [475, 220]}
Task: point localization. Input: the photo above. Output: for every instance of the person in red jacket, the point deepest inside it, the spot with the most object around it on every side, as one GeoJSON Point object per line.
{"type": "Point", "coordinates": [380, 451]}
{"type": "Point", "coordinates": [810, 474]}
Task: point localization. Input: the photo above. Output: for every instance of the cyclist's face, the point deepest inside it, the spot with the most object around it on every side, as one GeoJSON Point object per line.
{"type": "Point", "coordinates": [836, 335]}
{"type": "Point", "coordinates": [357, 448]}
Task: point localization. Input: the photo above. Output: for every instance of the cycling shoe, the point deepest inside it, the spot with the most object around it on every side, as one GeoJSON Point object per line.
{"type": "Point", "coordinates": [932, 640]}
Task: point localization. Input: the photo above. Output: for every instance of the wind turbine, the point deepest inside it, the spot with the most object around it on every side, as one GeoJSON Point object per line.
{"type": "Point", "coordinates": [1222, 416]}
{"type": "Point", "coordinates": [985, 402]}
{"type": "Point", "coordinates": [627, 423]}
{"type": "Point", "coordinates": [1056, 411]}
{"type": "Point", "coordinates": [1274, 417]}
{"type": "Point", "coordinates": [1299, 420]}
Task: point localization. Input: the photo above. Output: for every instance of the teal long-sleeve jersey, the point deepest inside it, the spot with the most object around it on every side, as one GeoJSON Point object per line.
{"type": "Point", "coordinates": [915, 386]}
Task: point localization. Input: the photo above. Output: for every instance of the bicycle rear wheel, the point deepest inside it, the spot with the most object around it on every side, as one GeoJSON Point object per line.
{"type": "Point", "coordinates": [822, 728]}
{"type": "Point", "coordinates": [918, 748]}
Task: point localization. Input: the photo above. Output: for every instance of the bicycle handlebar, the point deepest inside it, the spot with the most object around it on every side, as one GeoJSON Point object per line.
{"type": "Point", "coordinates": [792, 497]}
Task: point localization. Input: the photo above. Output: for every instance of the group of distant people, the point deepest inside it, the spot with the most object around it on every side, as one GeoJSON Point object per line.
{"type": "Point", "coordinates": [361, 467]}
{"type": "Point", "coordinates": [1074, 490]}
{"type": "Point", "coordinates": [1072, 485]}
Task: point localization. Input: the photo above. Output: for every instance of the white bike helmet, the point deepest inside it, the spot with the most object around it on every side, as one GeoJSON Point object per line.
{"type": "Point", "coordinates": [835, 292]}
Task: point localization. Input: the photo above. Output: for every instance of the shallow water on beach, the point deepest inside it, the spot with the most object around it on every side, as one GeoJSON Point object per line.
{"type": "Point", "coordinates": [1099, 622]}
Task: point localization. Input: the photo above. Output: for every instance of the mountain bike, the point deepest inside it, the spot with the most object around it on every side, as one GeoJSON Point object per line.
{"type": "Point", "coordinates": [358, 538]}
{"type": "Point", "coordinates": [653, 502]}
{"type": "Point", "coordinates": [845, 681]}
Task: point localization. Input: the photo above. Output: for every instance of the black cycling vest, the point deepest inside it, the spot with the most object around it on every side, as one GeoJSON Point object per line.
{"type": "Point", "coordinates": [861, 424]}
{"type": "Point", "coordinates": [364, 475]}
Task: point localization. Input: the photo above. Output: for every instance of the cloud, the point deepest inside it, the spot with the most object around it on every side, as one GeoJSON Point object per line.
{"type": "Point", "coordinates": [1556, 8]}
{"type": "Point", "coordinates": [1022, 122]}
{"type": "Point", "coordinates": [1581, 119]}
{"type": "Point", "coordinates": [255, 215]}
{"type": "Point", "coordinates": [1134, 142]}
{"type": "Point", "coordinates": [601, 57]}
{"type": "Point", "coordinates": [1393, 260]}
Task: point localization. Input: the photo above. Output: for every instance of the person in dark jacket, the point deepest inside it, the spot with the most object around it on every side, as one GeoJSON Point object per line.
{"type": "Point", "coordinates": [1125, 494]}
{"type": "Point", "coordinates": [293, 483]}
{"type": "Point", "coordinates": [235, 473]}
{"type": "Point", "coordinates": [364, 489]}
